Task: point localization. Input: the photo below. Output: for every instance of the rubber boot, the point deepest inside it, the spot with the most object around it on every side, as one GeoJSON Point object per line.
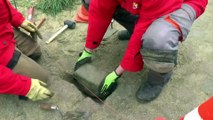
{"type": "Point", "coordinates": [153, 86]}
{"type": "Point", "coordinates": [124, 35]}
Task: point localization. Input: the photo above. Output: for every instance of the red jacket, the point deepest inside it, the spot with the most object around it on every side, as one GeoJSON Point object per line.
{"type": "Point", "coordinates": [101, 12]}
{"type": "Point", "coordinates": [10, 83]}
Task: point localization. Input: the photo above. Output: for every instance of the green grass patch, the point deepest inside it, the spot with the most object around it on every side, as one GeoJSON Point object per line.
{"type": "Point", "coordinates": [52, 7]}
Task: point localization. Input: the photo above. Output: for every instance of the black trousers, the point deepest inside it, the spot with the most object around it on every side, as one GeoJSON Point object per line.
{"type": "Point", "coordinates": [124, 18]}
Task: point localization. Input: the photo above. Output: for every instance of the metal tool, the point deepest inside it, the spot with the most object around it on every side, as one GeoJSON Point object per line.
{"type": "Point", "coordinates": [46, 106]}
{"type": "Point", "coordinates": [51, 107]}
{"type": "Point", "coordinates": [67, 24]}
{"type": "Point", "coordinates": [40, 23]}
{"type": "Point", "coordinates": [30, 14]}
{"type": "Point", "coordinates": [30, 18]}
{"type": "Point", "coordinates": [111, 24]}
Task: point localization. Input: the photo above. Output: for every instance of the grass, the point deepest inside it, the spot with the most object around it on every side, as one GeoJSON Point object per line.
{"type": "Point", "coordinates": [50, 7]}
{"type": "Point", "coordinates": [53, 7]}
{"type": "Point", "coordinates": [23, 3]}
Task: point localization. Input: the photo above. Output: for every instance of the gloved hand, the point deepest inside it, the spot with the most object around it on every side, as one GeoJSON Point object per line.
{"type": "Point", "coordinates": [108, 85]}
{"type": "Point", "coordinates": [30, 27]}
{"type": "Point", "coordinates": [38, 90]}
{"type": "Point", "coordinates": [85, 57]}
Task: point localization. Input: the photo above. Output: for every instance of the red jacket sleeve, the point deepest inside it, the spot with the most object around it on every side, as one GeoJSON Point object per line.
{"type": "Point", "coordinates": [198, 5]}
{"type": "Point", "coordinates": [100, 15]}
{"type": "Point", "coordinates": [16, 17]}
{"type": "Point", "coordinates": [132, 60]}
{"type": "Point", "coordinates": [11, 83]}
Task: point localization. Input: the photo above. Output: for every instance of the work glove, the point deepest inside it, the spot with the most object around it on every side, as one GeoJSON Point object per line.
{"type": "Point", "coordinates": [30, 27]}
{"type": "Point", "coordinates": [85, 57]}
{"type": "Point", "coordinates": [38, 90]}
{"type": "Point", "coordinates": [108, 85]}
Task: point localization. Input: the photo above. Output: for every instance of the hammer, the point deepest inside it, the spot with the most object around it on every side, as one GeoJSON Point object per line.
{"type": "Point", "coordinates": [67, 24]}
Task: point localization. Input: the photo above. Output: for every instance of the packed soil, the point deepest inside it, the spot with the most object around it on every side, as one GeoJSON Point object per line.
{"type": "Point", "coordinates": [191, 83]}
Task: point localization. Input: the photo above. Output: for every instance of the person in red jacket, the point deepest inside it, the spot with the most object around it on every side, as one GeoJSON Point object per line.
{"type": "Point", "coordinates": [19, 75]}
{"type": "Point", "coordinates": [156, 27]}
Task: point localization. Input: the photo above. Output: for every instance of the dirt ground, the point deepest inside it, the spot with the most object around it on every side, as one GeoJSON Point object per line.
{"type": "Point", "coordinates": [191, 83]}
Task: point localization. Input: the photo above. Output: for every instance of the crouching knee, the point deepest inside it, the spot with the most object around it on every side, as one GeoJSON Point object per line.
{"type": "Point", "coordinates": [160, 48]}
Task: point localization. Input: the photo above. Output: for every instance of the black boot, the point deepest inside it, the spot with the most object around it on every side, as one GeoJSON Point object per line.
{"type": "Point", "coordinates": [124, 35]}
{"type": "Point", "coordinates": [153, 86]}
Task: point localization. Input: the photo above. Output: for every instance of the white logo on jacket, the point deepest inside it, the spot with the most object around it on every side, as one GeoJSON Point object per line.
{"type": "Point", "coordinates": [134, 5]}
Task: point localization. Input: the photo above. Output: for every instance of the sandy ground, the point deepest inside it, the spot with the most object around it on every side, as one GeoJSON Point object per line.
{"type": "Point", "coordinates": [191, 83]}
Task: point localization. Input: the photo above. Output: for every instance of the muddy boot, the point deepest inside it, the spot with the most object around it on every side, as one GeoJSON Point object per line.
{"type": "Point", "coordinates": [153, 86]}
{"type": "Point", "coordinates": [124, 35]}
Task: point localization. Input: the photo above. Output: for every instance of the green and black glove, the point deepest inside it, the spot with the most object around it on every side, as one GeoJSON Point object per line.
{"type": "Point", "coordinates": [108, 85]}
{"type": "Point", "coordinates": [85, 57]}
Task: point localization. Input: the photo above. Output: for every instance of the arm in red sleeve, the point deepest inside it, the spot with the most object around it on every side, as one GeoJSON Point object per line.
{"type": "Point", "coordinates": [100, 15]}
{"type": "Point", "coordinates": [198, 5]}
{"type": "Point", "coordinates": [132, 60]}
{"type": "Point", "coordinates": [11, 83]}
{"type": "Point", "coordinates": [16, 17]}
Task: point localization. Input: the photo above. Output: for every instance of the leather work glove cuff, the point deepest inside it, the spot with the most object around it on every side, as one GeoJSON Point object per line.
{"type": "Point", "coordinates": [85, 57]}
{"type": "Point", "coordinates": [38, 90]}
{"type": "Point", "coordinates": [30, 27]}
{"type": "Point", "coordinates": [108, 85]}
